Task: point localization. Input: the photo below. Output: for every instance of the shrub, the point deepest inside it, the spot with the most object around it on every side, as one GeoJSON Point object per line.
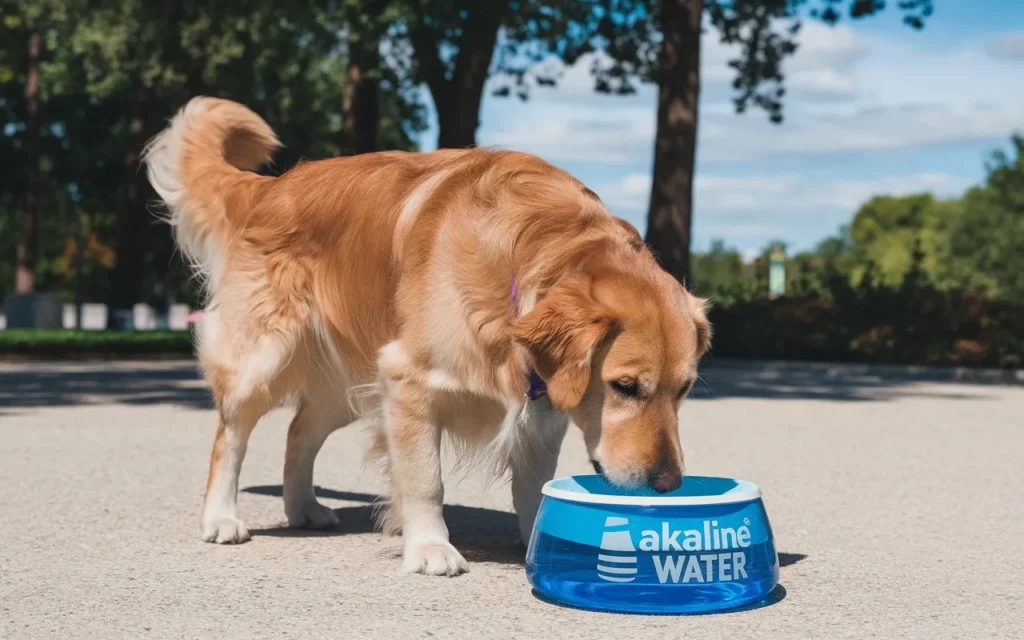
{"type": "Point", "coordinates": [32, 342]}
{"type": "Point", "coordinates": [908, 326]}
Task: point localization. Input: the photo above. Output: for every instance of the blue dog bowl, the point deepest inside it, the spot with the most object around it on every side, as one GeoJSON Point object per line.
{"type": "Point", "coordinates": [704, 547]}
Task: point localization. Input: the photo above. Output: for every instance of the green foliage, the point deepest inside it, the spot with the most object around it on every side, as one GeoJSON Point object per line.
{"type": "Point", "coordinates": [986, 235]}
{"type": "Point", "coordinates": [919, 325]}
{"type": "Point", "coordinates": [112, 72]}
{"type": "Point", "coordinates": [96, 343]}
{"type": "Point", "coordinates": [887, 231]}
{"type": "Point", "coordinates": [913, 281]}
{"type": "Point", "coordinates": [720, 274]}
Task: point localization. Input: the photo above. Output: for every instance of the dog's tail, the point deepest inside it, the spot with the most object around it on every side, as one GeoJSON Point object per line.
{"type": "Point", "coordinates": [200, 166]}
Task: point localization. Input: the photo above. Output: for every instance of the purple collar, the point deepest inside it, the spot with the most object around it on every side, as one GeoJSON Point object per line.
{"type": "Point", "coordinates": [538, 387]}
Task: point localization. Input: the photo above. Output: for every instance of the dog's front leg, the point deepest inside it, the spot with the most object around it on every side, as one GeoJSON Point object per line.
{"type": "Point", "coordinates": [535, 462]}
{"type": "Point", "coordinates": [414, 448]}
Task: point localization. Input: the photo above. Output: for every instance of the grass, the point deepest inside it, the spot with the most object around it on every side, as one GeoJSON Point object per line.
{"type": "Point", "coordinates": [32, 342]}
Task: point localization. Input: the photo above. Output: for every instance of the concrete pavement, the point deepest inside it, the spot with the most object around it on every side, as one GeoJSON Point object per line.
{"type": "Point", "coordinates": [895, 501]}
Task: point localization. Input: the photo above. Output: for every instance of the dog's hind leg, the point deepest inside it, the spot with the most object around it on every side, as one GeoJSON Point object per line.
{"type": "Point", "coordinates": [317, 418]}
{"type": "Point", "coordinates": [245, 386]}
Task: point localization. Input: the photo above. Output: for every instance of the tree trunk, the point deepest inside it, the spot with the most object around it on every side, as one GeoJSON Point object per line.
{"type": "Point", "coordinates": [458, 117]}
{"type": "Point", "coordinates": [458, 100]}
{"type": "Point", "coordinates": [669, 219]}
{"type": "Point", "coordinates": [360, 111]}
{"type": "Point", "coordinates": [25, 278]}
{"type": "Point", "coordinates": [134, 223]}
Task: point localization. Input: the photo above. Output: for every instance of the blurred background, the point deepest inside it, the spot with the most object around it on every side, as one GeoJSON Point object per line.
{"type": "Point", "coordinates": [841, 177]}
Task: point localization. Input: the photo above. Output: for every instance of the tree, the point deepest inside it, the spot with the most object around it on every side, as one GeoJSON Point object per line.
{"type": "Point", "coordinates": [454, 46]}
{"type": "Point", "coordinates": [986, 233]}
{"type": "Point", "coordinates": [360, 107]}
{"type": "Point", "coordinates": [381, 103]}
{"type": "Point", "coordinates": [834, 253]}
{"type": "Point", "coordinates": [26, 142]}
{"type": "Point", "coordinates": [453, 42]}
{"type": "Point", "coordinates": [22, 30]}
{"type": "Point", "coordinates": [669, 221]}
{"type": "Point", "coordinates": [379, 98]}
{"type": "Point", "coordinates": [642, 40]}
{"type": "Point", "coordinates": [719, 274]}
{"type": "Point", "coordinates": [26, 275]}
{"type": "Point", "coordinates": [888, 231]}
{"type": "Point", "coordinates": [765, 31]}
{"type": "Point", "coordinates": [113, 71]}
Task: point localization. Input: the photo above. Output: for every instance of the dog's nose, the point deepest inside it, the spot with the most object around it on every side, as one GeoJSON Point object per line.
{"type": "Point", "coordinates": [665, 480]}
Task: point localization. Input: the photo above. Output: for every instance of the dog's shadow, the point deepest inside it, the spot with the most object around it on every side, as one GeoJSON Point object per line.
{"type": "Point", "coordinates": [482, 535]}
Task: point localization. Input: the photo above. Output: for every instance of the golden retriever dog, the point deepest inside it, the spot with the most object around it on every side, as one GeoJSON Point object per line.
{"type": "Point", "coordinates": [450, 284]}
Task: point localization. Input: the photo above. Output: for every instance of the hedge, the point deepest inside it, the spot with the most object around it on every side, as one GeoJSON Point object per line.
{"type": "Point", "coordinates": [909, 326]}
{"type": "Point", "coordinates": [31, 342]}
{"type": "Point", "coordinates": [919, 327]}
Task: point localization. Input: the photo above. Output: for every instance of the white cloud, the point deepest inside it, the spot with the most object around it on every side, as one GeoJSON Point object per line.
{"type": "Point", "coordinates": [821, 64]}
{"type": "Point", "coordinates": [846, 94]}
{"type": "Point", "coordinates": [765, 197]}
{"type": "Point", "coordinates": [835, 47]}
{"type": "Point", "coordinates": [1009, 46]}
{"type": "Point", "coordinates": [630, 194]}
{"type": "Point", "coordinates": [821, 84]}
{"type": "Point", "coordinates": [575, 85]}
{"type": "Point", "coordinates": [626, 136]}
{"type": "Point", "coordinates": [799, 195]}
{"type": "Point", "coordinates": [728, 139]}
{"type": "Point", "coordinates": [819, 46]}
{"type": "Point", "coordinates": [615, 138]}
{"type": "Point", "coordinates": [752, 210]}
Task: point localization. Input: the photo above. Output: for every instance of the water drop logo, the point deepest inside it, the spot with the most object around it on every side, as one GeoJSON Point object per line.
{"type": "Point", "coordinates": [617, 560]}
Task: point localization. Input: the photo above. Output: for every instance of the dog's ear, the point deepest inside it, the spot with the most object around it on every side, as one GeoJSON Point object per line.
{"type": "Point", "coordinates": [633, 237]}
{"type": "Point", "coordinates": [560, 335]}
{"type": "Point", "coordinates": [700, 307]}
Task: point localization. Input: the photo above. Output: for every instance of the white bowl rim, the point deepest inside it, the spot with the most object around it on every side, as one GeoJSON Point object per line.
{"type": "Point", "coordinates": [744, 491]}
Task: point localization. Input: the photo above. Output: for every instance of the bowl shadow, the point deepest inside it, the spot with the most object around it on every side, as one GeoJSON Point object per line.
{"type": "Point", "coordinates": [776, 595]}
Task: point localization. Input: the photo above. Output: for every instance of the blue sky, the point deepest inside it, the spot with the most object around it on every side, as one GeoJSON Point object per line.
{"type": "Point", "coordinates": [872, 107]}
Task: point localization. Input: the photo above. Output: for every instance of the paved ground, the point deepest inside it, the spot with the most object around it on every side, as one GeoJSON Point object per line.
{"type": "Point", "coordinates": [895, 503]}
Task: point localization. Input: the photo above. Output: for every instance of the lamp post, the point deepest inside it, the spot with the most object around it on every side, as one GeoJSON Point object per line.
{"type": "Point", "coordinates": [776, 271]}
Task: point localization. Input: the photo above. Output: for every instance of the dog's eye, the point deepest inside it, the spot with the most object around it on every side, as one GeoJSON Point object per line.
{"type": "Point", "coordinates": [626, 387]}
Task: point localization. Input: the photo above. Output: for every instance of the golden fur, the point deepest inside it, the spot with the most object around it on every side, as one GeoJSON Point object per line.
{"type": "Point", "coordinates": [394, 270]}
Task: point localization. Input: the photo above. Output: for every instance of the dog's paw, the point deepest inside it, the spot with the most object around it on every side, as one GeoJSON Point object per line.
{"type": "Point", "coordinates": [225, 531]}
{"type": "Point", "coordinates": [313, 515]}
{"type": "Point", "coordinates": [433, 558]}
